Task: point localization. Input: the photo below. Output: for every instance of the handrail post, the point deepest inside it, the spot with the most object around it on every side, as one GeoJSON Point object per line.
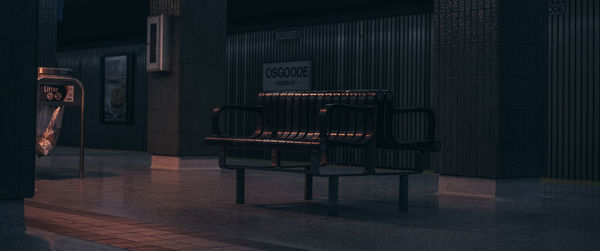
{"type": "Point", "coordinates": [81, 132]}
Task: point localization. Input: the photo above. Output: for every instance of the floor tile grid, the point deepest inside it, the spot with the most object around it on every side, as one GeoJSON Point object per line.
{"type": "Point", "coordinates": [132, 235]}
{"type": "Point", "coordinates": [89, 236]}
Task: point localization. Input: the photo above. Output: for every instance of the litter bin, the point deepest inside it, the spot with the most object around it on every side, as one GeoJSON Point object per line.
{"type": "Point", "coordinates": [57, 89]}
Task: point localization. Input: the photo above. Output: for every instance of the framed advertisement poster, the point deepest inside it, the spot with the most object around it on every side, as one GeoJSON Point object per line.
{"type": "Point", "coordinates": [117, 103]}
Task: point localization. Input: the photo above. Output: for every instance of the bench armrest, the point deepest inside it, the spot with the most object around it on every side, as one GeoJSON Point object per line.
{"type": "Point", "coordinates": [217, 113]}
{"type": "Point", "coordinates": [430, 118]}
{"type": "Point", "coordinates": [324, 116]}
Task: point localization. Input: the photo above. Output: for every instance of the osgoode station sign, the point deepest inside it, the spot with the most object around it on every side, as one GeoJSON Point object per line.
{"type": "Point", "coordinates": [293, 75]}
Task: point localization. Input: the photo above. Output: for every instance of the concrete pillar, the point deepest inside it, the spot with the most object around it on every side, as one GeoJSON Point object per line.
{"type": "Point", "coordinates": [489, 90]}
{"type": "Point", "coordinates": [180, 101]}
{"type": "Point", "coordinates": [18, 47]}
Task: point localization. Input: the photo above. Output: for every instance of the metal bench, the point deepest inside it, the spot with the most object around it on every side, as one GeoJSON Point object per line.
{"type": "Point", "coordinates": [316, 121]}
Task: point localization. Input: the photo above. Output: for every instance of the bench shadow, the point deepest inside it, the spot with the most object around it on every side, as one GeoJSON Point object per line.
{"type": "Point", "coordinates": [71, 174]}
{"type": "Point", "coordinates": [351, 210]}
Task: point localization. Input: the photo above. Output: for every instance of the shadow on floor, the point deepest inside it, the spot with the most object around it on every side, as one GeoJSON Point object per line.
{"type": "Point", "coordinates": [71, 174]}
{"type": "Point", "coordinates": [349, 210]}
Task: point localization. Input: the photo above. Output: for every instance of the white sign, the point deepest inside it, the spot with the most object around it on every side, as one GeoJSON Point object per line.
{"type": "Point", "coordinates": [293, 75]}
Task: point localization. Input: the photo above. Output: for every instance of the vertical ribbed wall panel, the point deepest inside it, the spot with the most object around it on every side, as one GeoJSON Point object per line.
{"type": "Point", "coordinates": [87, 66]}
{"type": "Point", "coordinates": [574, 91]}
{"type": "Point", "coordinates": [384, 53]}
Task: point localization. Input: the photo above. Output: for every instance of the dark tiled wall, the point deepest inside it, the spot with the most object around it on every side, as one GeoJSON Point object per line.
{"type": "Point", "coordinates": [523, 87]}
{"type": "Point", "coordinates": [464, 90]}
{"type": "Point", "coordinates": [489, 87]}
{"type": "Point", "coordinates": [18, 56]}
{"type": "Point", "coordinates": [180, 101]}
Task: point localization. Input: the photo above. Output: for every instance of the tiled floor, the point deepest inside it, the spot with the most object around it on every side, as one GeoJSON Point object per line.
{"type": "Point", "coordinates": [126, 233]}
{"type": "Point", "coordinates": [121, 195]}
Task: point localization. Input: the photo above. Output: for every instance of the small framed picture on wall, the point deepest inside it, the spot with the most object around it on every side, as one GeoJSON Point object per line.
{"type": "Point", "coordinates": [117, 96]}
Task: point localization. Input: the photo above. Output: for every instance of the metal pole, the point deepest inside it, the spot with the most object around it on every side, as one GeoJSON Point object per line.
{"type": "Point", "coordinates": [81, 138]}
{"type": "Point", "coordinates": [81, 149]}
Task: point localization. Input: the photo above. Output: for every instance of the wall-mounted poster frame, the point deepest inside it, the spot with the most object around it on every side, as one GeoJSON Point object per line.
{"type": "Point", "coordinates": [117, 89]}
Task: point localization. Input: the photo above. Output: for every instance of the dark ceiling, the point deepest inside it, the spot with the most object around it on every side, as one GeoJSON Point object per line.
{"type": "Point", "coordinates": [90, 22]}
{"type": "Point", "coordinates": [102, 21]}
{"type": "Point", "coordinates": [251, 15]}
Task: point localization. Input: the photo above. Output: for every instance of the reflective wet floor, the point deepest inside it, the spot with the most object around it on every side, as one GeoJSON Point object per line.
{"type": "Point", "coordinates": [119, 185]}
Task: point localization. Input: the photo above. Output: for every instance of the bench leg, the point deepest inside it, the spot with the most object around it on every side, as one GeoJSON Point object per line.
{"type": "Point", "coordinates": [403, 193]}
{"type": "Point", "coordinates": [370, 158]}
{"type": "Point", "coordinates": [323, 159]}
{"type": "Point", "coordinates": [240, 185]}
{"type": "Point", "coordinates": [275, 160]}
{"type": "Point", "coordinates": [420, 161]}
{"type": "Point", "coordinates": [308, 186]}
{"type": "Point", "coordinates": [315, 158]}
{"type": "Point", "coordinates": [333, 195]}
{"type": "Point", "coordinates": [222, 155]}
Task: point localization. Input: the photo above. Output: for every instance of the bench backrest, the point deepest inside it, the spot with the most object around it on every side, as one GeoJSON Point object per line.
{"type": "Point", "coordinates": [294, 113]}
